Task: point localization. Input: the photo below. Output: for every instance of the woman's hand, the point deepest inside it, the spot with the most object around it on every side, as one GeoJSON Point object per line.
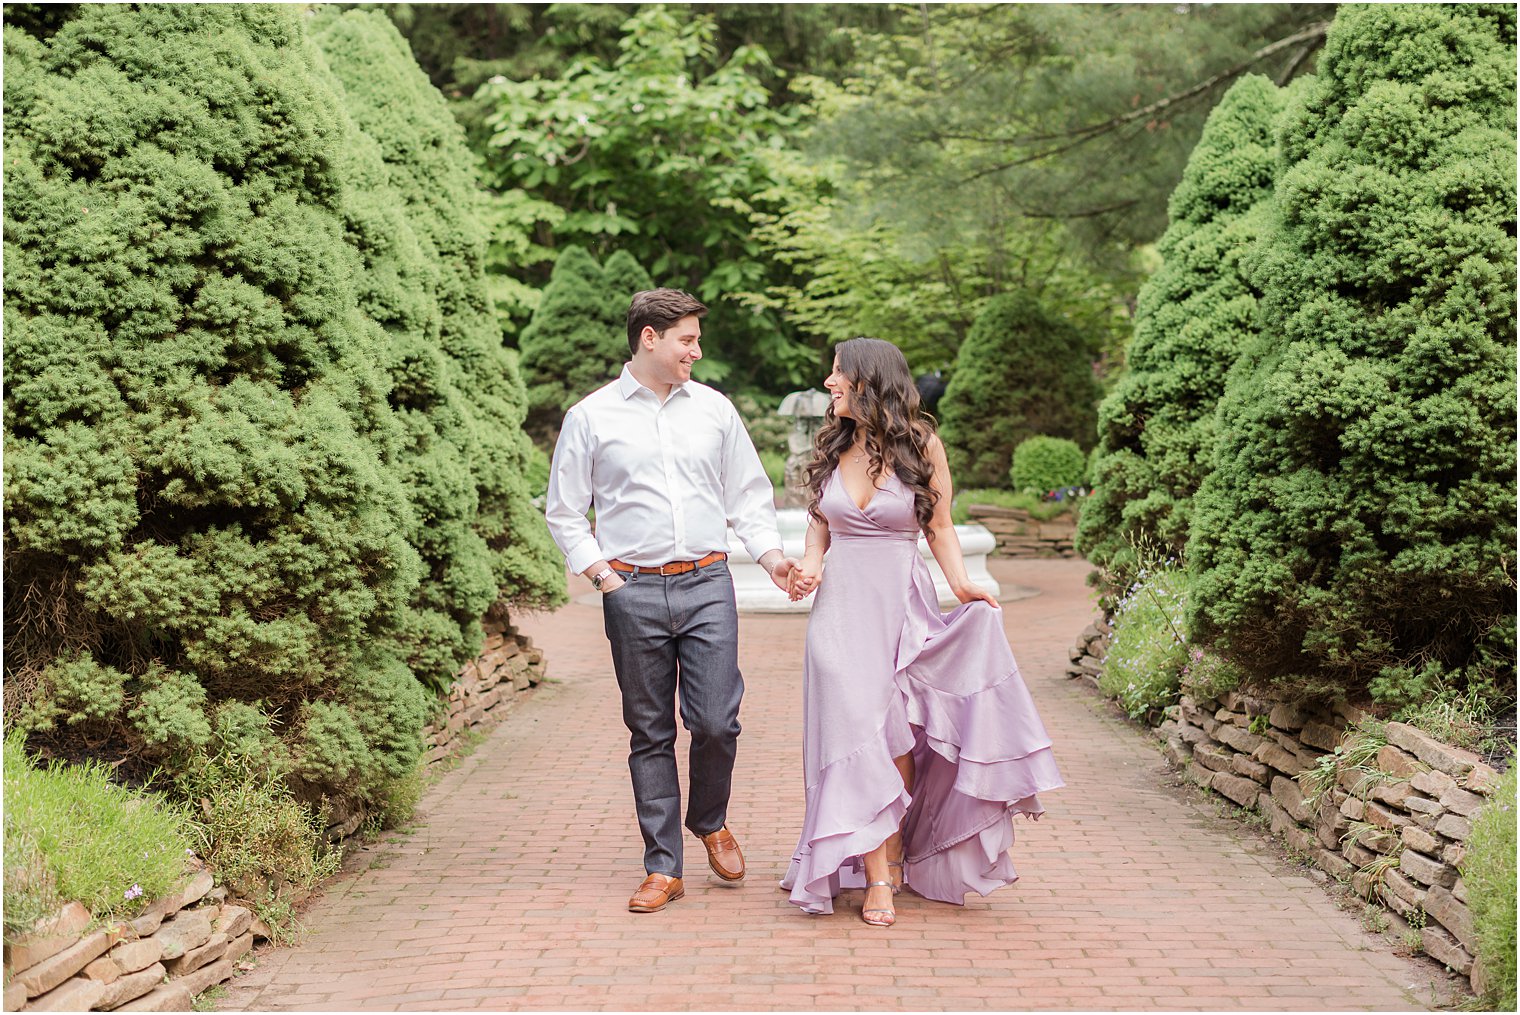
{"type": "Point", "coordinates": [969, 593]}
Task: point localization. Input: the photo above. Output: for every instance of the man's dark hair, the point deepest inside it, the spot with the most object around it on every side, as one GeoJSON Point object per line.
{"type": "Point", "coordinates": [659, 309]}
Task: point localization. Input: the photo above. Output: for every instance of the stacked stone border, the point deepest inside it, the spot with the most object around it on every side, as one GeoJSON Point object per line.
{"type": "Point", "coordinates": [181, 945]}
{"type": "Point", "coordinates": [192, 939]}
{"type": "Point", "coordinates": [1020, 535]}
{"type": "Point", "coordinates": [1394, 826]}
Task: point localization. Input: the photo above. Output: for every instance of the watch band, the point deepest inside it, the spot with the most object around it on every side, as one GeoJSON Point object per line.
{"type": "Point", "coordinates": [601, 576]}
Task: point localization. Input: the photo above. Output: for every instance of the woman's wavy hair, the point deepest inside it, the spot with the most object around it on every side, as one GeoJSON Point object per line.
{"type": "Point", "coordinates": [886, 407]}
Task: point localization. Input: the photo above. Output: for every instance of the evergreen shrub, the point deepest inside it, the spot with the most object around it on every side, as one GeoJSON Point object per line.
{"type": "Point", "coordinates": [1043, 464]}
{"type": "Point", "coordinates": [1193, 317]}
{"type": "Point", "coordinates": [578, 338]}
{"type": "Point", "coordinates": [262, 460]}
{"type": "Point", "coordinates": [456, 391]}
{"type": "Point", "coordinates": [1488, 870]}
{"type": "Point", "coordinates": [1358, 527]}
{"type": "Point", "coordinates": [1021, 372]}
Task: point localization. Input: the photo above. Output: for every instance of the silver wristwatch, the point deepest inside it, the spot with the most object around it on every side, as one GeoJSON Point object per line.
{"type": "Point", "coordinates": [601, 576]}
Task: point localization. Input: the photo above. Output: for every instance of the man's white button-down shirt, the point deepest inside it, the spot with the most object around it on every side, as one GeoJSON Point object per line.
{"type": "Point", "coordinates": [666, 479]}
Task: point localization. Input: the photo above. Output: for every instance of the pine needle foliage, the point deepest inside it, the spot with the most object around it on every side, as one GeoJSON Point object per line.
{"type": "Point", "coordinates": [1022, 372]}
{"type": "Point", "coordinates": [1358, 526]}
{"type": "Point", "coordinates": [1193, 318]}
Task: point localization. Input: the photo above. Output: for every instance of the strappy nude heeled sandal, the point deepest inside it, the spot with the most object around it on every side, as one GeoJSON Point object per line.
{"type": "Point", "coordinates": [865, 913]}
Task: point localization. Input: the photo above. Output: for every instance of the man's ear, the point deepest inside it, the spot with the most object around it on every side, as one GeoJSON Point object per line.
{"type": "Point", "coordinates": [648, 337]}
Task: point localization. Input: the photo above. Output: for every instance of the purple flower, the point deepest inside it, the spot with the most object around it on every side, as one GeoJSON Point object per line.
{"type": "Point", "coordinates": [132, 893]}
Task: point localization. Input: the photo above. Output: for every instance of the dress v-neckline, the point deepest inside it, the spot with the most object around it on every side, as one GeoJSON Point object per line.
{"type": "Point", "coordinates": [845, 487]}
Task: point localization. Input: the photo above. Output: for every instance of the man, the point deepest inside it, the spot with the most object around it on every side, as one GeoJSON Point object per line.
{"type": "Point", "coordinates": [667, 464]}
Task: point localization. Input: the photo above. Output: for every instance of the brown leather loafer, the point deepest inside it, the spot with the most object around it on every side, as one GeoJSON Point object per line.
{"type": "Point", "coordinates": [657, 891]}
{"type": "Point", "coordinates": [723, 854]}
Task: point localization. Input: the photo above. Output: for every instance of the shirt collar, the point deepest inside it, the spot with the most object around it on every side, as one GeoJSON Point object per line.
{"type": "Point", "coordinates": [628, 385]}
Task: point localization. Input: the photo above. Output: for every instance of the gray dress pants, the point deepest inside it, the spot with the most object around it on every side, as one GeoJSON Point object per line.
{"type": "Point", "coordinates": [670, 634]}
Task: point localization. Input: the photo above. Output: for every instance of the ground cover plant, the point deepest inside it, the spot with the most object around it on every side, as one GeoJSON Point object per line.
{"type": "Point", "coordinates": [1147, 647]}
{"type": "Point", "coordinates": [1489, 872]}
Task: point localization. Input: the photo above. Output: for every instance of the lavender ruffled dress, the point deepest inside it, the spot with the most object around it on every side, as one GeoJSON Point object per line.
{"type": "Point", "coordinates": [884, 674]}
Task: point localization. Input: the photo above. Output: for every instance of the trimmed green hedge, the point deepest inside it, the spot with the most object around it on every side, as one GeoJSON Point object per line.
{"type": "Point", "coordinates": [1043, 464]}
{"type": "Point", "coordinates": [1358, 528]}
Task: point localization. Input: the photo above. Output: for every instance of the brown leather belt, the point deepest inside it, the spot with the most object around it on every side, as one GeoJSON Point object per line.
{"type": "Point", "coordinates": [674, 567]}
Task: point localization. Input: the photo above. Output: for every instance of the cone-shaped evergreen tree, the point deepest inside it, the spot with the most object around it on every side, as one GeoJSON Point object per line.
{"type": "Point", "coordinates": [568, 349]}
{"type": "Point", "coordinates": [622, 276]}
{"type": "Point", "coordinates": [1022, 372]}
{"type": "Point", "coordinates": [1359, 523]}
{"type": "Point", "coordinates": [1156, 428]}
{"type": "Point", "coordinates": [456, 391]}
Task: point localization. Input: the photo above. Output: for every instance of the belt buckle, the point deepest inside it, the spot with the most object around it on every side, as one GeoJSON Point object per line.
{"type": "Point", "coordinates": [674, 567]}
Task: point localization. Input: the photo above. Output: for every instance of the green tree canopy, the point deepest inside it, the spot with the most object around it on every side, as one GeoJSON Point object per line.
{"type": "Point", "coordinates": [1195, 315]}
{"type": "Point", "coordinates": [1022, 372]}
{"type": "Point", "coordinates": [1358, 526]}
{"type": "Point", "coordinates": [661, 153]}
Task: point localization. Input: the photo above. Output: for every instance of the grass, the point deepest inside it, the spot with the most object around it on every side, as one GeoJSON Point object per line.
{"type": "Point", "coordinates": [1038, 509]}
{"type": "Point", "coordinates": [1489, 871]}
{"type": "Point", "coordinates": [1355, 753]}
{"type": "Point", "coordinates": [1146, 651]}
{"type": "Point", "coordinates": [71, 834]}
{"type": "Point", "coordinates": [1460, 720]}
{"type": "Point", "coordinates": [263, 844]}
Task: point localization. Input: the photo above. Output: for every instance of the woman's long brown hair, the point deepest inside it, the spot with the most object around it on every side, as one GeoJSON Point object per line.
{"type": "Point", "coordinates": [886, 407]}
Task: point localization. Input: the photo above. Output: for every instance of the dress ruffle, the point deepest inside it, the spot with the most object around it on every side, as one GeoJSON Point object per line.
{"type": "Point", "coordinates": [980, 752]}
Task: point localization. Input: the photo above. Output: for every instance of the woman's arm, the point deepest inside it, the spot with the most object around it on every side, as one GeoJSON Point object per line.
{"type": "Point", "coordinates": [944, 543]}
{"type": "Point", "coordinates": [807, 576]}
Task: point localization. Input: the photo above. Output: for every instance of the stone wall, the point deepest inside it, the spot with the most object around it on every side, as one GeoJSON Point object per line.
{"type": "Point", "coordinates": [180, 946]}
{"type": "Point", "coordinates": [191, 940]}
{"type": "Point", "coordinates": [1393, 827]}
{"type": "Point", "coordinates": [1020, 535]}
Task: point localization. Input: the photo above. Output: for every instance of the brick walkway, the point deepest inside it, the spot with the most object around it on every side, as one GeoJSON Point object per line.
{"type": "Point", "coordinates": [511, 891]}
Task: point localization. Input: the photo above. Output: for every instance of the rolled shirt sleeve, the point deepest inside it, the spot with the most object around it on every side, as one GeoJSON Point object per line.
{"type": "Point", "coordinates": [748, 497]}
{"type": "Point", "coordinates": [570, 493]}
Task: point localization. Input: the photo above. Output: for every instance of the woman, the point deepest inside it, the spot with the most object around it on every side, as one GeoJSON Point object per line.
{"type": "Point", "coordinates": [920, 739]}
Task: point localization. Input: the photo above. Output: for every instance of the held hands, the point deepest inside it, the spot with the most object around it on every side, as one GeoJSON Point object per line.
{"type": "Point", "coordinates": [806, 578]}
{"type": "Point", "coordinates": [781, 574]}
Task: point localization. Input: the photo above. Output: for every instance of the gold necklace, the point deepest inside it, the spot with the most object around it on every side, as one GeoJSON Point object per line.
{"type": "Point", "coordinates": [854, 457]}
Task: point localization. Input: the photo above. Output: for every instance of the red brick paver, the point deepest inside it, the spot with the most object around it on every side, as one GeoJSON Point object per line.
{"type": "Point", "coordinates": [511, 892]}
